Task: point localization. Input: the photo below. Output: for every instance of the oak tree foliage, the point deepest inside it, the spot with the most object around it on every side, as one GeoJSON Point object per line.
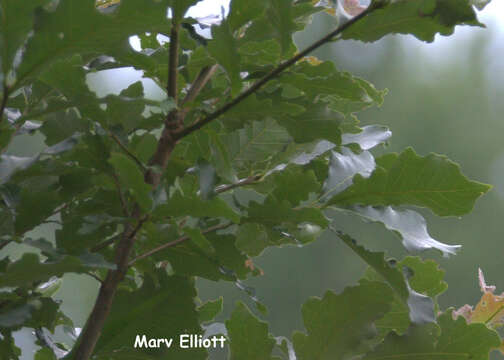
{"type": "Point", "coordinates": [148, 194]}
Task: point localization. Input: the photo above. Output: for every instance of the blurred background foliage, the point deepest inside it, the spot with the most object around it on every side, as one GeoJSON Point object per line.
{"type": "Point", "coordinates": [444, 97]}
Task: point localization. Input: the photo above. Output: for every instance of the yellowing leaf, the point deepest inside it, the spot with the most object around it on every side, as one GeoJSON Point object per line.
{"type": "Point", "coordinates": [490, 308]}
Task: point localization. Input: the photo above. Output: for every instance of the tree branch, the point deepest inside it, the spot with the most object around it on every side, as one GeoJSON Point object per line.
{"type": "Point", "coordinates": [3, 104]}
{"type": "Point", "coordinates": [174, 123]}
{"type": "Point", "coordinates": [199, 83]}
{"type": "Point", "coordinates": [272, 74]}
{"type": "Point", "coordinates": [86, 343]}
{"type": "Point", "coordinates": [94, 324]}
{"type": "Point", "coordinates": [173, 62]}
{"type": "Point", "coordinates": [176, 242]}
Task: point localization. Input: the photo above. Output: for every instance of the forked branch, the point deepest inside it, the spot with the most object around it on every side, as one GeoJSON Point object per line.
{"type": "Point", "coordinates": [273, 74]}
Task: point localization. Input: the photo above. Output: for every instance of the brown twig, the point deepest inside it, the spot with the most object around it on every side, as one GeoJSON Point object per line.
{"type": "Point", "coordinates": [199, 83]}
{"type": "Point", "coordinates": [271, 75]}
{"type": "Point", "coordinates": [176, 242]}
{"type": "Point", "coordinates": [174, 123]}
{"type": "Point", "coordinates": [3, 104]}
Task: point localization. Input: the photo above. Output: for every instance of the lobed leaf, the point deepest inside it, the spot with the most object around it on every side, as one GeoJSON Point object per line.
{"type": "Point", "coordinates": [249, 338]}
{"type": "Point", "coordinates": [422, 19]}
{"type": "Point", "coordinates": [453, 339]}
{"type": "Point", "coordinates": [165, 310]}
{"type": "Point", "coordinates": [29, 269]}
{"type": "Point", "coordinates": [432, 181]}
{"type": "Point", "coordinates": [334, 329]}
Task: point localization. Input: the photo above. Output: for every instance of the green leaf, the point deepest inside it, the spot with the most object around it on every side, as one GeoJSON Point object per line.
{"type": "Point", "coordinates": [260, 110]}
{"type": "Point", "coordinates": [427, 277]}
{"type": "Point", "coordinates": [58, 127]}
{"type": "Point", "coordinates": [34, 207]}
{"type": "Point", "coordinates": [424, 277]}
{"type": "Point", "coordinates": [223, 49]}
{"type": "Point", "coordinates": [252, 239]}
{"type": "Point", "coordinates": [253, 147]}
{"type": "Point", "coordinates": [127, 108]}
{"type": "Point", "coordinates": [13, 33]}
{"type": "Point", "coordinates": [132, 178]}
{"type": "Point", "coordinates": [180, 205]}
{"type": "Point", "coordinates": [210, 309]}
{"type": "Point", "coordinates": [317, 122]}
{"type": "Point", "coordinates": [8, 347]}
{"type": "Point", "coordinates": [343, 92]}
{"type": "Point", "coordinates": [281, 19]}
{"type": "Point", "coordinates": [29, 269]}
{"type": "Point", "coordinates": [292, 183]}
{"type": "Point", "coordinates": [15, 317]}
{"type": "Point", "coordinates": [421, 307]}
{"type": "Point", "coordinates": [423, 19]}
{"type": "Point", "coordinates": [408, 225]}
{"type": "Point", "coordinates": [163, 311]}
{"type": "Point", "coordinates": [453, 339]}
{"type": "Point", "coordinates": [249, 337]}
{"type": "Point", "coordinates": [45, 354]}
{"type": "Point", "coordinates": [76, 26]}
{"type": "Point", "coordinates": [274, 212]}
{"type": "Point", "coordinates": [228, 263]}
{"type": "Point", "coordinates": [432, 181]}
{"type": "Point", "coordinates": [200, 240]}
{"type": "Point", "coordinates": [334, 328]}
{"type": "Point", "coordinates": [243, 11]}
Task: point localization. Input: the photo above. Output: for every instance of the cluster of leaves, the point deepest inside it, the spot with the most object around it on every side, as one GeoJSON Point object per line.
{"type": "Point", "coordinates": [269, 171]}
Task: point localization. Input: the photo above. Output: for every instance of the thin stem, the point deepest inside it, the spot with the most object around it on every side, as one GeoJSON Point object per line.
{"type": "Point", "coordinates": [173, 62]}
{"type": "Point", "coordinates": [94, 277]}
{"type": "Point", "coordinates": [176, 242]}
{"type": "Point", "coordinates": [129, 153]}
{"type": "Point", "coordinates": [199, 83]}
{"type": "Point", "coordinates": [124, 206]}
{"type": "Point", "coordinates": [175, 119]}
{"type": "Point", "coordinates": [242, 182]}
{"type": "Point", "coordinates": [271, 75]}
{"type": "Point", "coordinates": [104, 244]}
